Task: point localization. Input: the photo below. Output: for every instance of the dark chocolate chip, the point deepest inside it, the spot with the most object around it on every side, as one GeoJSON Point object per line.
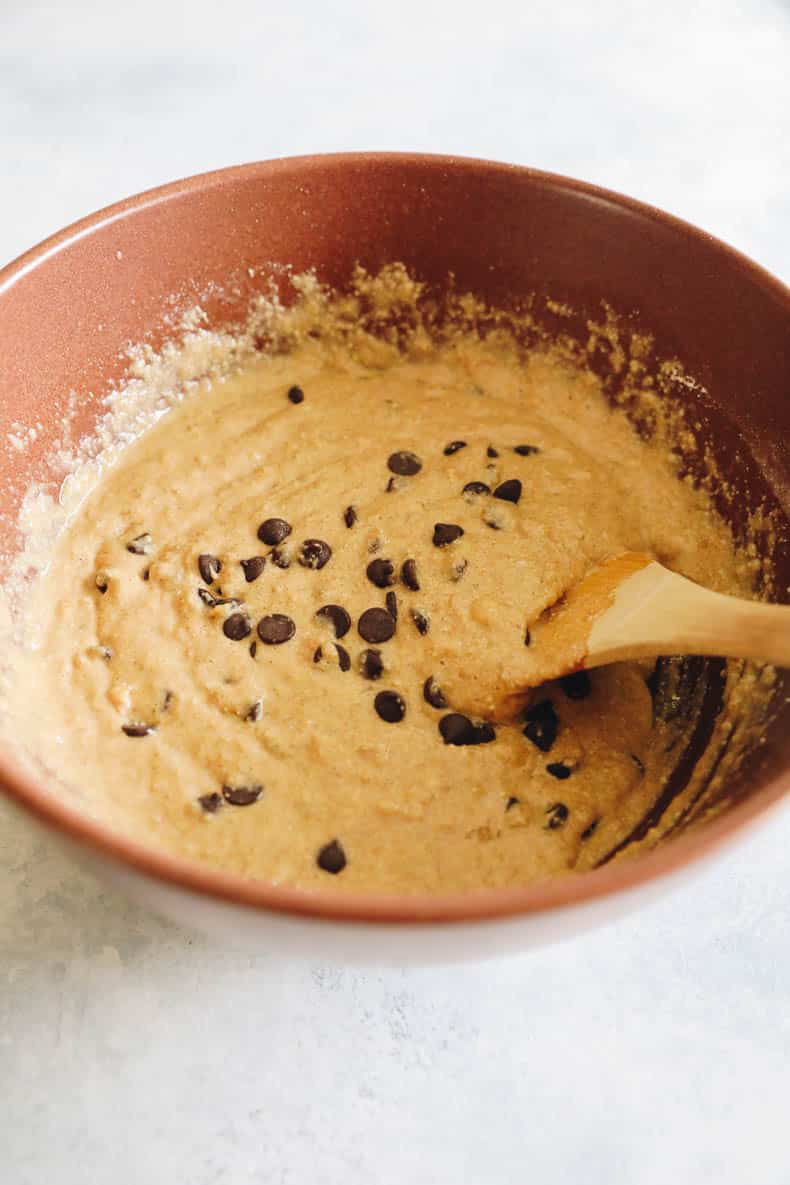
{"type": "Point", "coordinates": [350, 516]}
{"type": "Point", "coordinates": [207, 598]}
{"type": "Point", "coordinates": [138, 730]}
{"type": "Point", "coordinates": [525, 450]}
{"type": "Point", "coordinates": [509, 491]}
{"type": "Point", "coordinates": [392, 485]}
{"type": "Point", "coordinates": [527, 637]}
{"type": "Point", "coordinates": [453, 447]}
{"type": "Point", "coordinates": [141, 545]}
{"type": "Point", "coordinates": [391, 601]}
{"type": "Point", "coordinates": [255, 711]}
{"type": "Point", "coordinates": [343, 657]}
{"type": "Point", "coordinates": [376, 625]}
{"type": "Point", "coordinates": [381, 573]}
{"type": "Point", "coordinates": [314, 553]}
{"type": "Point", "coordinates": [404, 464]}
{"type": "Point", "coordinates": [491, 451]}
{"type": "Point", "coordinates": [146, 574]}
{"type": "Point", "coordinates": [577, 685]}
{"type": "Point", "coordinates": [280, 557]}
{"type": "Point", "coordinates": [476, 487]}
{"type": "Point", "coordinates": [296, 395]}
{"type": "Point", "coordinates": [557, 815]}
{"type": "Point", "coordinates": [276, 628]}
{"type": "Point", "coordinates": [237, 627]}
{"type": "Point", "coordinates": [209, 567]}
{"type": "Point", "coordinates": [559, 770]}
{"type": "Point", "coordinates": [589, 831]}
{"type": "Point", "coordinates": [253, 567]}
{"type": "Point", "coordinates": [242, 795]}
{"type": "Point", "coordinates": [444, 533]}
{"type": "Point", "coordinates": [421, 621]}
{"type": "Point", "coordinates": [541, 725]}
{"type": "Point", "coordinates": [101, 582]}
{"type": "Point", "coordinates": [511, 802]}
{"type": "Point", "coordinates": [273, 530]}
{"type": "Point", "coordinates": [371, 664]}
{"type": "Point", "coordinates": [390, 706]}
{"type": "Point", "coordinates": [337, 616]}
{"type": "Point", "coordinates": [253, 649]}
{"type": "Point", "coordinates": [459, 730]}
{"type": "Point", "coordinates": [210, 802]}
{"type": "Point", "coordinates": [433, 694]}
{"type": "Point", "coordinates": [331, 857]}
{"type": "Point", "coordinates": [408, 575]}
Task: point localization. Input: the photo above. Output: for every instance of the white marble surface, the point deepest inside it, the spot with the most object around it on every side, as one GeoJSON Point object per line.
{"type": "Point", "coordinates": [656, 1050]}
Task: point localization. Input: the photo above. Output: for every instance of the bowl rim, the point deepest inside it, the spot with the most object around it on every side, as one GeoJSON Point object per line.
{"type": "Point", "coordinates": [478, 905]}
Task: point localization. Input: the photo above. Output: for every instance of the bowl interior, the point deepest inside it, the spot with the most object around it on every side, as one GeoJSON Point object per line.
{"type": "Point", "coordinates": [68, 312]}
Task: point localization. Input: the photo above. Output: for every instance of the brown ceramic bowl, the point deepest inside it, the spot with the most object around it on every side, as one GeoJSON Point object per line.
{"type": "Point", "coordinates": [69, 306]}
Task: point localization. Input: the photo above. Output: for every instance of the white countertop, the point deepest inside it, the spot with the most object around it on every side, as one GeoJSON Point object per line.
{"type": "Point", "coordinates": [655, 1051]}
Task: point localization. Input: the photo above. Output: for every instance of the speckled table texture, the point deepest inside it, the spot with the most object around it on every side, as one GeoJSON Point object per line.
{"type": "Point", "coordinates": [654, 1050]}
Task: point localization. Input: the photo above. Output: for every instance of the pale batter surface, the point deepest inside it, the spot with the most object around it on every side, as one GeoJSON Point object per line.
{"type": "Point", "coordinates": [190, 690]}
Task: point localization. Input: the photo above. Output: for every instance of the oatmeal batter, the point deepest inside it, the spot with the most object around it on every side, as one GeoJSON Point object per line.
{"type": "Point", "coordinates": [272, 629]}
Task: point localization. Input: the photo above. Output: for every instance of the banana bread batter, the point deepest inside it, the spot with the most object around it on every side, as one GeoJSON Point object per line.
{"type": "Point", "coordinates": [270, 628]}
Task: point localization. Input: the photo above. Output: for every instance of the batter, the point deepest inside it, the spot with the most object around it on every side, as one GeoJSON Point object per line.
{"type": "Point", "coordinates": [269, 629]}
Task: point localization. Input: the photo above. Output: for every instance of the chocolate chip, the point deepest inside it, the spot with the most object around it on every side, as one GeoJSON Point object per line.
{"type": "Point", "coordinates": [404, 464]}
{"type": "Point", "coordinates": [273, 530]}
{"type": "Point", "coordinates": [331, 857]}
{"type": "Point", "coordinates": [253, 567]}
{"type": "Point", "coordinates": [476, 487]}
{"type": "Point", "coordinates": [381, 573]}
{"type": "Point", "coordinates": [343, 657]}
{"type": "Point", "coordinates": [280, 557]}
{"type": "Point", "coordinates": [408, 575]}
{"type": "Point", "coordinates": [236, 627]}
{"type": "Point", "coordinates": [511, 802]}
{"type": "Point", "coordinates": [391, 601]}
{"type": "Point", "coordinates": [371, 664]}
{"type": "Point", "coordinates": [509, 491]}
{"type": "Point", "coordinates": [296, 395]}
{"type": "Point", "coordinates": [102, 582]}
{"type": "Point", "coordinates": [525, 450]}
{"type": "Point", "coordinates": [453, 447]}
{"type": "Point", "coordinates": [557, 816]}
{"type": "Point", "coordinates": [350, 516]}
{"type": "Point", "coordinates": [390, 706]}
{"type": "Point", "coordinates": [421, 621]}
{"type": "Point", "coordinates": [589, 831]}
{"type": "Point", "coordinates": [254, 711]}
{"type": "Point", "coordinates": [337, 616]}
{"type": "Point", "coordinates": [559, 770]}
{"type": "Point", "coordinates": [210, 802]}
{"type": "Point", "coordinates": [209, 567]}
{"type": "Point", "coordinates": [138, 730]}
{"type": "Point", "coordinates": [376, 625]}
{"type": "Point", "coordinates": [639, 763]}
{"type": "Point", "coordinates": [314, 553]}
{"type": "Point", "coordinates": [542, 725]}
{"type": "Point", "coordinates": [444, 533]}
{"type": "Point", "coordinates": [242, 795]}
{"type": "Point", "coordinates": [527, 637]}
{"type": "Point", "coordinates": [393, 484]}
{"type": "Point", "coordinates": [276, 628]}
{"type": "Point", "coordinates": [141, 545]}
{"type": "Point", "coordinates": [253, 649]}
{"type": "Point", "coordinates": [209, 599]}
{"type": "Point", "coordinates": [459, 730]}
{"type": "Point", "coordinates": [433, 694]}
{"type": "Point", "coordinates": [577, 685]}
{"type": "Point", "coordinates": [167, 700]}
{"type": "Point", "coordinates": [491, 451]}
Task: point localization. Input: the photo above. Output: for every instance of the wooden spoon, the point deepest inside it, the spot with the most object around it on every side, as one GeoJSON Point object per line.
{"type": "Point", "coordinates": [633, 607]}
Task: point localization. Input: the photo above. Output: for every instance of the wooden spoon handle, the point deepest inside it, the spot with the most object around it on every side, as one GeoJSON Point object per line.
{"type": "Point", "coordinates": [658, 612]}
